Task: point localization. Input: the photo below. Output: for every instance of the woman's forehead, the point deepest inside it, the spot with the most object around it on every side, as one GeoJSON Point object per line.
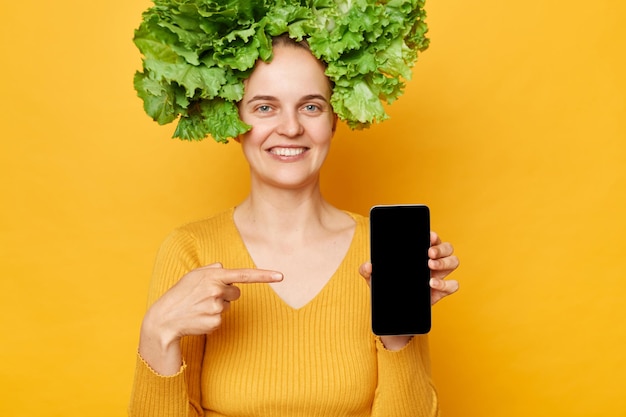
{"type": "Point", "coordinates": [291, 69]}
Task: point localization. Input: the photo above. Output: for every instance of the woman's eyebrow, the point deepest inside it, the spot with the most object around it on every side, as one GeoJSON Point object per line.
{"type": "Point", "coordinates": [315, 97]}
{"type": "Point", "coordinates": [261, 98]}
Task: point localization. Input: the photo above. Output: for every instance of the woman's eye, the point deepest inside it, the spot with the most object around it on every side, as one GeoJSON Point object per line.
{"type": "Point", "coordinates": [264, 108]}
{"type": "Point", "coordinates": [311, 107]}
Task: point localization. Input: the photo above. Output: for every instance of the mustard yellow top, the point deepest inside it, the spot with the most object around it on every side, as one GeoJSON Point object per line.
{"type": "Point", "coordinates": [269, 359]}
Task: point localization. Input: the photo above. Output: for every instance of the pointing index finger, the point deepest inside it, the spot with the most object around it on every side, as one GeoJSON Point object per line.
{"type": "Point", "coordinates": [250, 275]}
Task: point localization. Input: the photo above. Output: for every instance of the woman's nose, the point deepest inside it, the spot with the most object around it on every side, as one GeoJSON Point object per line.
{"type": "Point", "coordinates": [290, 125]}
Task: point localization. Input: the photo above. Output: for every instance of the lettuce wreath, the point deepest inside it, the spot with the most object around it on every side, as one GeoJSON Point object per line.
{"type": "Point", "coordinates": [196, 54]}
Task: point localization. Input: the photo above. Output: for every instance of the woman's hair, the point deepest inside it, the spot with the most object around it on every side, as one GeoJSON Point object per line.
{"type": "Point", "coordinates": [285, 40]}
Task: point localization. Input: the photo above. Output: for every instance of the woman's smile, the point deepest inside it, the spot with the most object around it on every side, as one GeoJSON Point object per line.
{"type": "Point", "coordinates": [287, 152]}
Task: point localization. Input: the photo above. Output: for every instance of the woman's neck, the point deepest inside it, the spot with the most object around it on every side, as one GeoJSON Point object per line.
{"type": "Point", "coordinates": [285, 212]}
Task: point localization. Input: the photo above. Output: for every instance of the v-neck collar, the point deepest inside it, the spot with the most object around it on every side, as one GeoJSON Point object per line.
{"type": "Point", "coordinates": [329, 283]}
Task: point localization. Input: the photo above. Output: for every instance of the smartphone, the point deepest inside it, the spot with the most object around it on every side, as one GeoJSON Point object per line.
{"type": "Point", "coordinates": [400, 284]}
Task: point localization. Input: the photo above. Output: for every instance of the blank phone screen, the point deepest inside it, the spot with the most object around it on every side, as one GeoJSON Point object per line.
{"type": "Point", "coordinates": [400, 238]}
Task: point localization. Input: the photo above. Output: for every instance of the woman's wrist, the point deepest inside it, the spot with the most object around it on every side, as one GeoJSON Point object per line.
{"type": "Point", "coordinates": [159, 348]}
{"type": "Point", "coordinates": [394, 343]}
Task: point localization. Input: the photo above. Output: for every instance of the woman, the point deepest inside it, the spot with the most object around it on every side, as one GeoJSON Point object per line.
{"type": "Point", "coordinates": [293, 338]}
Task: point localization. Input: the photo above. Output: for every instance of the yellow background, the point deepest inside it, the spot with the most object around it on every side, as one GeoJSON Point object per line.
{"type": "Point", "coordinates": [513, 131]}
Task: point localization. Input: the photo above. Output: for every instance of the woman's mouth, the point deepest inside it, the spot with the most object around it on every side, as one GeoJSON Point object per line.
{"type": "Point", "coordinates": [287, 151]}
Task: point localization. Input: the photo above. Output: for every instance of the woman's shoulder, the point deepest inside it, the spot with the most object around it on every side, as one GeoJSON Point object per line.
{"type": "Point", "coordinates": [213, 220]}
{"type": "Point", "coordinates": [218, 224]}
{"type": "Point", "coordinates": [359, 219]}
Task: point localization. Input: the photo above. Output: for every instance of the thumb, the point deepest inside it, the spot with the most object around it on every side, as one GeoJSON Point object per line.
{"type": "Point", "coordinates": [366, 271]}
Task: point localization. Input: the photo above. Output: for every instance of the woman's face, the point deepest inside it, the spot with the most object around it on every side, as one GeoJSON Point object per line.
{"type": "Point", "coordinates": [287, 103]}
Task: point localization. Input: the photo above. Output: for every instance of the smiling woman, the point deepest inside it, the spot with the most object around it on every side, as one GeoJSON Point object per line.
{"type": "Point", "coordinates": [278, 344]}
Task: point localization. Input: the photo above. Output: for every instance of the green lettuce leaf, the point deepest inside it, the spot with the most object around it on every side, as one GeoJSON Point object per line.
{"type": "Point", "coordinates": [219, 117]}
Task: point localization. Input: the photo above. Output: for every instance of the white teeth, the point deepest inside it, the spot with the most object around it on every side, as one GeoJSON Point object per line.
{"type": "Point", "coordinates": [287, 151]}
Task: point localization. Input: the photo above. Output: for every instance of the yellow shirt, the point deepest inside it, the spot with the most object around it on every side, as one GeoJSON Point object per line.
{"type": "Point", "coordinates": [269, 359]}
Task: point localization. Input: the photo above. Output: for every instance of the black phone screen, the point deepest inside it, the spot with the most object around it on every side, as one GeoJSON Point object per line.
{"type": "Point", "coordinates": [399, 242]}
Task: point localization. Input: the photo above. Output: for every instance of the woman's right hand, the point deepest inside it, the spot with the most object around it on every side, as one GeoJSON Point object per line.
{"type": "Point", "coordinates": [193, 306]}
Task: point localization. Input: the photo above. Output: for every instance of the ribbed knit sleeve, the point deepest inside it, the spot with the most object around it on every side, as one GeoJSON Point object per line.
{"type": "Point", "coordinates": [179, 395]}
{"type": "Point", "coordinates": [156, 395]}
{"type": "Point", "coordinates": [405, 386]}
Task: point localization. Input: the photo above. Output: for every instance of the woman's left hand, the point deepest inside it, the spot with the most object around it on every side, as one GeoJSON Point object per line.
{"type": "Point", "coordinates": [441, 263]}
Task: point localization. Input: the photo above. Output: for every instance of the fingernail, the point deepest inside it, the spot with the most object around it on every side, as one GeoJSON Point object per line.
{"type": "Point", "coordinates": [277, 276]}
